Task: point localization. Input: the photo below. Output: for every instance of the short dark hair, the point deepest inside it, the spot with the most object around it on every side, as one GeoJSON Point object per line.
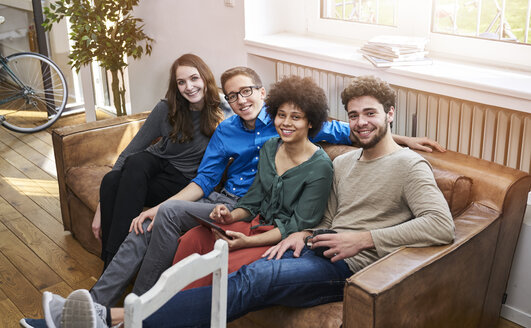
{"type": "Point", "coordinates": [240, 70]}
{"type": "Point", "coordinates": [369, 86]}
{"type": "Point", "coordinates": [305, 94]}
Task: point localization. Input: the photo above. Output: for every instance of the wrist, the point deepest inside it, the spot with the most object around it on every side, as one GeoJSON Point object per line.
{"type": "Point", "coordinates": [368, 242]}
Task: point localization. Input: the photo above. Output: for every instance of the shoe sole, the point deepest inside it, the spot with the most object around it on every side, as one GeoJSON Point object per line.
{"type": "Point", "coordinates": [32, 323]}
{"type": "Point", "coordinates": [24, 324]}
{"type": "Point", "coordinates": [46, 299]}
{"type": "Point", "coordinates": [79, 311]}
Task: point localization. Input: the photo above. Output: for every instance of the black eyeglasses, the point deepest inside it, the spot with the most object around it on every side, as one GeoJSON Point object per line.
{"type": "Point", "coordinates": [244, 92]}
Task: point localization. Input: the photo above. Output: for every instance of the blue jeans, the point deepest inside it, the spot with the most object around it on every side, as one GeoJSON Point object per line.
{"type": "Point", "coordinates": [298, 282]}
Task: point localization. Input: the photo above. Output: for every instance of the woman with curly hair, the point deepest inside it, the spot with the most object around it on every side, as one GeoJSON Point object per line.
{"type": "Point", "coordinates": [147, 174]}
{"type": "Point", "coordinates": [290, 190]}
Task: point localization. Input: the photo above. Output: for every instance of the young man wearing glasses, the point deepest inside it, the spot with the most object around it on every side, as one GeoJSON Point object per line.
{"type": "Point", "coordinates": [150, 247]}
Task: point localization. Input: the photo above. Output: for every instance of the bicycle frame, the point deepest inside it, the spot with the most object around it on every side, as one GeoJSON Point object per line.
{"type": "Point", "coordinates": [3, 62]}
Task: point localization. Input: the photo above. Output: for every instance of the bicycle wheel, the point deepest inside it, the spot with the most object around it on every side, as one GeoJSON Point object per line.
{"type": "Point", "coordinates": [33, 92]}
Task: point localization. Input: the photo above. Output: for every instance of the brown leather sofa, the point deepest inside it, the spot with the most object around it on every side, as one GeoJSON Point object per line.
{"type": "Point", "coordinates": [457, 285]}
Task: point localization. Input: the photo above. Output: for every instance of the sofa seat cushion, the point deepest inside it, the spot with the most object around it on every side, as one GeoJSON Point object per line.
{"type": "Point", "coordinates": [85, 182]}
{"type": "Point", "coordinates": [321, 316]}
{"type": "Point", "coordinates": [455, 188]}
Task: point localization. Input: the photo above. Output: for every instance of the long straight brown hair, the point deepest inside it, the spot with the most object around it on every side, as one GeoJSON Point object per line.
{"type": "Point", "coordinates": [179, 115]}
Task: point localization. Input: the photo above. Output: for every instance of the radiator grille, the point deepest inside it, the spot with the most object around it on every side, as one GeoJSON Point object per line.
{"type": "Point", "coordinates": [495, 134]}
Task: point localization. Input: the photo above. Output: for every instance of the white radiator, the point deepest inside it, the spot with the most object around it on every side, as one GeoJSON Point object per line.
{"type": "Point", "coordinates": [491, 133]}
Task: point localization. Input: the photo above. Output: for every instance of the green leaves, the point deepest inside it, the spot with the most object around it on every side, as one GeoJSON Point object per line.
{"type": "Point", "coordinates": [104, 31]}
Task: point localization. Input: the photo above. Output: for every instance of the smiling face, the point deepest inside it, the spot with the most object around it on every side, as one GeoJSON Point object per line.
{"type": "Point", "coordinates": [368, 120]}
{"type": "Point", "coordinates": [247, 108]}
{"type": "Point", "coordinates": [291, 123]}
{"type": "Point", "coordinates": [190, 84]}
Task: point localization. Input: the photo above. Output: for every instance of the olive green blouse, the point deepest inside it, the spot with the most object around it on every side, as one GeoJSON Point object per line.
{"type": "Point", "coordinates": [294, 201]}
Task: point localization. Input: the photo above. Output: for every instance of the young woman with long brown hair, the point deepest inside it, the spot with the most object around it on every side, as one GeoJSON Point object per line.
{"type": "Point", "coordinates": [146, 174]}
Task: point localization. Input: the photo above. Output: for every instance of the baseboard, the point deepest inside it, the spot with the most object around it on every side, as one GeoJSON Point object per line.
{"type": "Point", "coordinates": [516, 316]}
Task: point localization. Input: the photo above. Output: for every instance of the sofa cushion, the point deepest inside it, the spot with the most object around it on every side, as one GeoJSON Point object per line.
{"type": "Point", "coordinates": [85, 182]}
{"type": "Point", "coordinates": [455, 188]}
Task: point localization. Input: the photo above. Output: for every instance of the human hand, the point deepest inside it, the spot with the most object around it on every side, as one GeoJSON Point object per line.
{"type": "Point", "coordinates": [221, 214]}
{"type": "Point", "coordinates": [239, 240]}
{"type": "Point", "coordinates": [423, 144]}
{"type": "Point", "coordinates": [136, 224]}
{"type": "Point", "coordinates": [295, 241]}
{"type": "Point", "coordinates": [96, 223]}
{"type": "Point", "coordinates": [343, 245]}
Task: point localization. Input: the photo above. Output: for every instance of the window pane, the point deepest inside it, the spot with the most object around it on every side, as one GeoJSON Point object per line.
{"type": "Point", "coordinates": [381, 12]}
{"type": "Point", "coordinates": [491, 19]}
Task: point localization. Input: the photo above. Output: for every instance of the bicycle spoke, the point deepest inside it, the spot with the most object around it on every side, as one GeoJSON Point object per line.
{"type": "Point", "coordinates": [36, 97]}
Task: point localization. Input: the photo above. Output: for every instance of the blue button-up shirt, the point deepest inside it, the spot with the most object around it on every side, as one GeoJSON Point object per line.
{"type": "Point", "coordinates": [233, 139]}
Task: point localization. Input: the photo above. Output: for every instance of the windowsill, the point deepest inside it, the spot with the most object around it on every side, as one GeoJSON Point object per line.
{"type": "Point", "coordinates": [487, 85]}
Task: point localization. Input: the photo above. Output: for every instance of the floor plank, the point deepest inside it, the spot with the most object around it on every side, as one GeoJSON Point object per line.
{"type": "Point", "coordinates": [35, 142]}
{"type": "Point", "coordinates": [45, 136]}
{"type": "Point", "coordinates": [19, 290]}
{"type": "Point", "coordinates": [61, 288]}
{"type": "Point", "coordinates": [62, 263]}
{"type": "Point", "coordinates": [28, 152]}
{"type": "Point", "coordinates": [26, 261]}
{"type": "Point", "coordinates": [45, 228]}
{"type": "Point", "coordinates": [24, 185]}
{"type": "Point", "coordinates": [37, 176]}
{"type": "Point", "coordinates": [10, 314]}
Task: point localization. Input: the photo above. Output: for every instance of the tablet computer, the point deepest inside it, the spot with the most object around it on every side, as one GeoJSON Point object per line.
{"type": "Point", "coordinates": [209, 224]}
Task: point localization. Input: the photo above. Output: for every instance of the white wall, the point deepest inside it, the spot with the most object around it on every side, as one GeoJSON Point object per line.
{"type": "Point", "coordinates": [206, 28]}
{"type": "Point", "coordinates": [518, 305]}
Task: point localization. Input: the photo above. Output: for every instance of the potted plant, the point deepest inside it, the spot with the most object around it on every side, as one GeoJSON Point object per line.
{"type": "Point", "coordinates": [105, 31]}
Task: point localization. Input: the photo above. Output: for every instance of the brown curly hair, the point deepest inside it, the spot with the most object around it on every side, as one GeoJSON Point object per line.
{"type": "Point", "coordinates": [179, 114]}
{"type": "Point", "coordinates": [369, 86]}
{"type": "Point", "coordinates": [305, 94]}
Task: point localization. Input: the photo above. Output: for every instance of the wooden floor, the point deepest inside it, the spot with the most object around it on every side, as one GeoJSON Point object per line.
{"type": "Point", "coordinates": [36, 255]}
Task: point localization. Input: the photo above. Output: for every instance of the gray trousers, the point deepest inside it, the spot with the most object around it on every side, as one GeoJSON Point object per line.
{"type": "Point", "coordinates": [151, 253]}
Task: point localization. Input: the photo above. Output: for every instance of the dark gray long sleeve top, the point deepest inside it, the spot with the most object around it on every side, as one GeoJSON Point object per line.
{"type": "Point", "coordinates": [185, 157]}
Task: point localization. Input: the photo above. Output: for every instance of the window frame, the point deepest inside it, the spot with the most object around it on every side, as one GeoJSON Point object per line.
{"type": "Point", "coordinates": [409, 22]}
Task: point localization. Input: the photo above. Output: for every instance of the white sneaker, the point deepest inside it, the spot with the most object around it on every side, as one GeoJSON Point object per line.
{"type": "Point", "coordinates": [53, 306]}
{"type": "Point", "coordinates": [81, 312]}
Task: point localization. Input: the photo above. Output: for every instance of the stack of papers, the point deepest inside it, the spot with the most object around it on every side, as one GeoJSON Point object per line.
{"type": "Point", "coordinates": [386, 51]}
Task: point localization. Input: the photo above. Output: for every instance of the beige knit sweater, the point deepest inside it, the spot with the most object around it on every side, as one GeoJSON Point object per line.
{"type": "Point", "coordinates": [395, 197]}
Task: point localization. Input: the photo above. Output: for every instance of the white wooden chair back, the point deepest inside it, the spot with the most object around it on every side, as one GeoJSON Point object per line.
{"type": "Point", "coordinates": [195, 266]}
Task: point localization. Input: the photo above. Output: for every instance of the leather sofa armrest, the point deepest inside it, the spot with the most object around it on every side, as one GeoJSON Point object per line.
{"type": "Point", "coordinates": [428, 287]}
{"type": "Point", "coordinates": [90, 144]}
{"type": "Point", "coordinates": [505, 190]}
{"type": "Point", "coordinates": [95, 143]}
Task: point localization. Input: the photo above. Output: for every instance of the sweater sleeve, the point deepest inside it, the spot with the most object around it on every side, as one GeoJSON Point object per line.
{"type": "Point", "coordinates": [331, 207]}
{"type": "Point", "coordinates": [150, 130]}
{"type": "Point", "coordinates": [432, 223]}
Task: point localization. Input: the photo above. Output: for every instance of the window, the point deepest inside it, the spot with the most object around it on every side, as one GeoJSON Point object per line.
{"type": "Point", "coordinates": [371, 12]}
{"type": "Point", "coordinates": [456, 29]}
{"type": "Point", "coordinates": [507, 20]}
